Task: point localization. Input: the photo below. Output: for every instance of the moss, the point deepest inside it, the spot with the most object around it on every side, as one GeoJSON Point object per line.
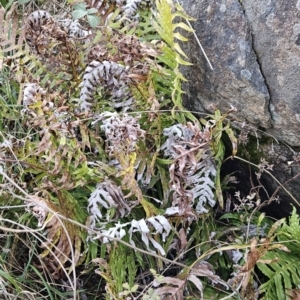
{"type": "Point", "coordinates": [252, 151]}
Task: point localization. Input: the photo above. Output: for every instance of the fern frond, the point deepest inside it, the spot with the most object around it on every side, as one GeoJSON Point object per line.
{"type": "Point", "coordinates": [53, 43]}
{"type": "Point", "coordinates": [73, 28]}
{"type": "Point", "coordinates": [32, 94]}
{"type": "Point", "coordinates": [123, 266]}
{"type": "Point", "coordinates": [172, 54]}
{"type": "Point", "coordinates": [283, 273]}
{"type": "Point", "coordinates": [292, 230]}
{"type": "Point", "coordinates": [11, 37]}
{"type": "Point", "coordinates": [144, 170]}
{"type": "Point", "coordinates": [61, 152]}
{"type": "Point", "coordinates": [109, 197]}
{"type": "Point", "coordinates": [34, 29]}
{"type": "Point", "coordinates": [123, 133]}
{"type": "Point", "coordinates": [113, 77]}
{"type": "Point", "coordinates": [64, 239]}
{"type": "Point", "coordinates": [192, 170]}
{"type": "Point", "coordinates": [161, 226]}
{"type": "Point", "coordinates": [131, 8]}
{"type": "Point", "coordinates": [146, 228]}
{"type": "Point", "coordinates": [216, 123]}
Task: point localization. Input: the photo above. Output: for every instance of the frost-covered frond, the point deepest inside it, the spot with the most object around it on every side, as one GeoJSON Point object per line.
{"type": "Point", "coordinates": [159, 223]}
{"type": "Point", "coordinates": [37, 104]}
{"type": "Point", "coordinates": [145, 229]}
{"type": "Point", "coordinates": [112, 77]}
{"type": "Point", "coordinates": [73, 28]}
{"type": "Point", "coordinates": [116, 232]}
{"type": "Point", "coordinates": [53, 44]}
{"type": "Point", "coordinates": [122, 134]}
{"type": "Point", "coordinates": [183, 134]}
{"type": "Point", "coordinates": [121, 130]}
{"type": "Point", "coordinates": [201, 185]}
{"type": "Point", "coordinates": [192, 170]}
{"type": "Point", "coordinates": [131, 7]}
{"type": "Point", "coordinates": [32, 93]}
{"type": "Point", "coordinates": [96, 3]}
{"type": "Point", "coordinates": [34, 29]}
{"type": "Point", "coordinates": [40, 26]}
{"type": "Point", "coordinates": [144, 170]}
{"type": "Point", "coordinates": [123, 4]}
{"type": "Point", "coordinates": [43, 111]}
{"type": "Point", "coordinates": [42, 31]}
{"type": "Point", "coordinates": [106, 196]}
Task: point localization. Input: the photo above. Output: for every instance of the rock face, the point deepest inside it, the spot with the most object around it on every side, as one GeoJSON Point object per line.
{"type": "Point", "coordinates": [276, 34]}
{"type": "Point", "coordinates": [254, 48]}
{"type": "Point", "coordinates": [236, 78]}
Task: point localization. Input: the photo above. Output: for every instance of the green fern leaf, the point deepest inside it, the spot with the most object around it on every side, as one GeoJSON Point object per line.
{"type": "Point", "coordinates": [294, 227]}
{"type": "Point", "coordinates": [172, 54]}
{"type": "Point", "coordinates": [11, 40]}
{"type": "Point", "coordinates": [183, 26]}
{"type": "Point", "coordinates": [283, 273]}
{"type": "Point", "coordinates": [291, 232]}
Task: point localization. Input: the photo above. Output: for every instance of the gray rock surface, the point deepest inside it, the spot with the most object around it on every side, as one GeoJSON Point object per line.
{"type": "Point", "coordinates": [276, 34]}
{"type": "Point", "coordinates": [254, 47]}
{"type": "Point", "coordinates": [236, 79]}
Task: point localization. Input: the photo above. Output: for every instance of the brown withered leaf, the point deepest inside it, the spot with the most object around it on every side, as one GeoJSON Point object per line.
{"type": "Point", "coordinates": [182, 238]}
{"type": "Point", "coordinates": [61, 236]}
{"type": "Point", "coordinates": [192, 170]}
{"type": "Point", "coordinates": [205, 269]}
{"type": "Point", "coordinates": [294, 294]}
{"type": "Point", "coordinates": [170, 288]}
{"type": "Point", "coordinates": [252, 257]}
{"type": "Point", "coordinates": [10, 37]}
{"type": "Point", "coordinates": [98, 53]}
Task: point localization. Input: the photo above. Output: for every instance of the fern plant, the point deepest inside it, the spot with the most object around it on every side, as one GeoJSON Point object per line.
{"type": "Point", "coordinates": [167, 26]}
{"type": "Point", "coordinates": [283, 270]}
{"type": "Point", "coordinates": [112, 162]}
